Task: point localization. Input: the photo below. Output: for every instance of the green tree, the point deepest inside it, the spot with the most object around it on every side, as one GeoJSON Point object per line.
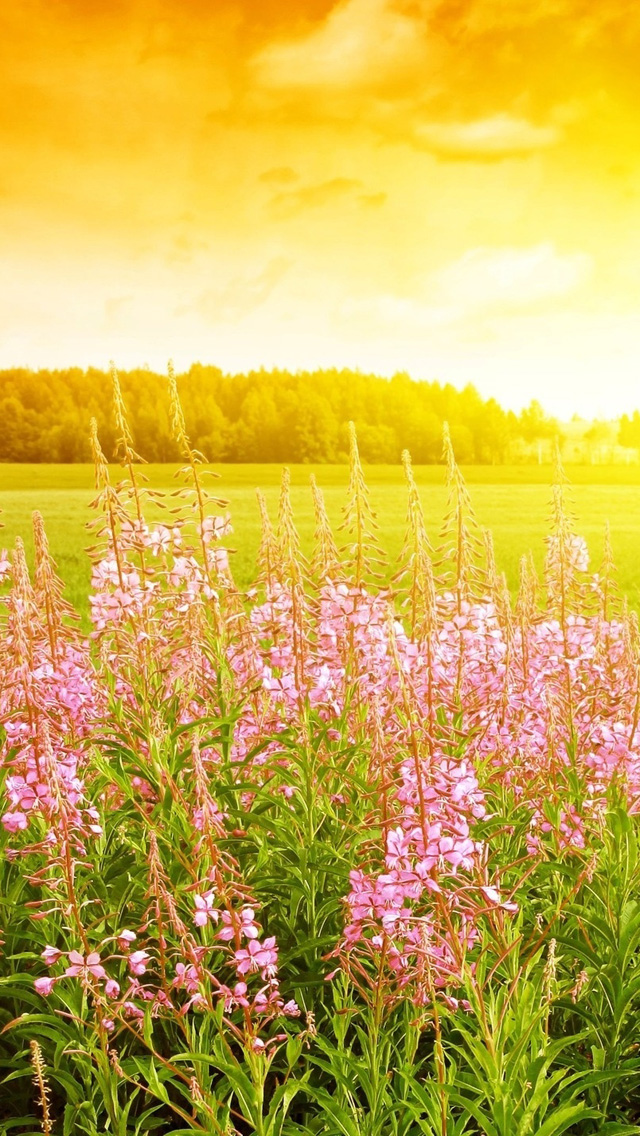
{"type": "Point", "coordinates": [629, 432]}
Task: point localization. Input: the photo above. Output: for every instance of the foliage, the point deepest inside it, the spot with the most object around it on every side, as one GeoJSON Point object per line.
{"type": "Point", "coordinates": [629, 434]}
{"type": "Point", "coordinates": [265, 416]}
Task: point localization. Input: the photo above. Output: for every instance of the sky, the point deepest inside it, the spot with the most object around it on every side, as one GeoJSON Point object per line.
{"type": "Point", "coordinates": [446, 187]}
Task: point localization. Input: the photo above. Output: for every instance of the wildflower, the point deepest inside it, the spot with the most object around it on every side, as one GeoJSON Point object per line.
{"type": "Point", "coordinates": [579, 985]}
{"type": "Point", "coordinates": [195, 1090]}
{"type": "Point", "coordinates": [205, 909]}
{"type": "Point", "coordinates": [186, 977]}
{"type": "Point", "coordinates": [44, 986]}
{"type": "Point", "coordinates": [85, 968]}
{"type": "Point", "coordinates": [214, 528]}
{"type": "Point", "coordinates": [5, 566]}
{"type": "Point", "coordinates": [549, 972]}
{"type": "Point", "coordinates": [40, 1081]}
{"type": "Point", "coordinates": [492, 895]}
{"type": "Point", "coordinates": [243, 923]}
{"type": "Point", "coordinates": [14, 822]}
{"type": "Point", "coordinates": [132, 1011]}
{"type": "Point", "coordinates": [51, 955]}
{"type": "Point", "coordinates": [258, 956]}
{"type": "Point", "coordinates": [138, 962]}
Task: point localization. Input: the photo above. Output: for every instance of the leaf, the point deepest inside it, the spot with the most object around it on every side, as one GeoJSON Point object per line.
{"type": "Point", "coordinates": [344, 1123]}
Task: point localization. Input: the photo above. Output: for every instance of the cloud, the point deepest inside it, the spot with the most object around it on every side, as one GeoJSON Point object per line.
{"type": "Point", "coordinates": [391, 311]}
{"type": "Point", "coordinates": [372, 200]}
{"type": "Point", "coordinates": [485, 140]}
{"type": "Point", "coordinates": [360, 44]}
{"type": "Point", "coordinates": [116, 308]}
{"type": "Point", "coordinates": [286, 205]}
{"type": "Point", "coordinates": [508, 278]}
{"type": "Point", "coordinates": [184, 248]}
{"type": "Point", "coordinates": [279, 175]}
{"type": "Point", "coordinates": [484, 282]}
{"type": "Point", "coordinates": [241, 296]}
{"type": "Point", "coordinates": [414, 72]}
{"type": "Point", "coordinates": [584, 21]}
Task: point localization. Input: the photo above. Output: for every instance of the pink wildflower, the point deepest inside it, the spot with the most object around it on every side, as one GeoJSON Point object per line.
{"type": "Point", "coordinates": [258, 956]}
{"type": "Point", "coordinates": [205, 909]}
{"type": "Point", "coordinates": [51, 955]}
{"type": "Point", "coordinates": [138, 962]}
{"type": "Point", "coordinates": [44, 986]}
{"type": "Point", "coordinates": [85, 969]}
{"type": "Point", "coordinates": [14, 822]}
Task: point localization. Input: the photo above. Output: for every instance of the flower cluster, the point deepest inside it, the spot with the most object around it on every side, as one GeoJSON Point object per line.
{"type": "Point", "coordinates": [455, 698]}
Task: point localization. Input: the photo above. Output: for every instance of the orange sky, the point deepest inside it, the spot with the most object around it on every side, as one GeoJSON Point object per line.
{"type": "Point", "coordinates": [450, 188]}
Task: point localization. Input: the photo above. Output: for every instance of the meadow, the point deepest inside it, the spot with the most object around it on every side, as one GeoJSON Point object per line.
{"type": "Point", "coordinates": [513, 502]}
{"type": "Point", "coordinates": [318, 860]}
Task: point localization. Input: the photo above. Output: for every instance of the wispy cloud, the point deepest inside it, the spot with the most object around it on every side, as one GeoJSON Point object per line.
{"type": "Point", "coordinates": [313, 196]}
{"type": "Point", "coordinates": [361, 44]}
{"type": "Point", "coordinates": [490, 139]}
{"type": "Point", "coordinates": [279, 175]}
{"type": "Point", "coordinates": [372, 200]}
{"type": "Point", "coordinates": [115, 310]}
{"type": "Point", "coordinates": [240, 296]}
{"type": "Point", "coordinates": [510, 278]}
{"type": "Point", "coordinates": [482, 284]}
{"type": "Point", "coordinates": [184, 248]}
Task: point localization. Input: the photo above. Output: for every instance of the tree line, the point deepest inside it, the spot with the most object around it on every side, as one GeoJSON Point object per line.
{"type": "Point", "coordinates": [262, 416]}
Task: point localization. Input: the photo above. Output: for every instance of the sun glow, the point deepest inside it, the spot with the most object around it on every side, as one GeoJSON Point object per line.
{"type": "Point", "coordinates": [448, 189]}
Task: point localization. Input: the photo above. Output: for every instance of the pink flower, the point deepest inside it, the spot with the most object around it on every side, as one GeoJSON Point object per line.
{"type": "Point", "coordinates": [5, 566]}
{"type": "Point", "coordinates": [133, 1011]}
{"type": "Point", "coordinates": [51, 955]}
{"type": "Point", "coordinates": [248, 925]}
{"type": "Point", "coordinates": [214, 528]}
{"type": "Point", "coordinates": [492, 895]}
{"type": "Point", "coordinates": [242, 922]}
{"type": "Point", "coordinates": [138, 962]}
{"type": "Point", "coordinates": [239, 997]}
{"type": "Point", "coordinates": [398, 844]}
{"type": "Point", "coordinates": [205, 909]}
{"type": "Point", "coordinates": [44, 986]}
{"type": "Point", "coordinates": [14, 822]}
{"type": "Point", "coordinates": [258, 956]}
{"type": "Point", "coordinates": [125, 939]}
{"type": "Point", "coordinates": [111, 988]}
{"type": "Point", "coordinates": [187, 977]}
{"type": "Point", "coordinates": [85, 968]}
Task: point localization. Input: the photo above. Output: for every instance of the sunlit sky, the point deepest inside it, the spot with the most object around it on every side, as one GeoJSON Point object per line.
{"type": "Point", "coordinates": [449, 188]}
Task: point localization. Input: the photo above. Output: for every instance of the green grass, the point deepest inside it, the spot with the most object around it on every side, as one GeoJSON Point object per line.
{"type": "Point", "coordinates": [513, 501]}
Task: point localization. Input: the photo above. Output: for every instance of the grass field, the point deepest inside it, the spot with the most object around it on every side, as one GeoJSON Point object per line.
{"type": "Point", "coordinates": [513, 501]}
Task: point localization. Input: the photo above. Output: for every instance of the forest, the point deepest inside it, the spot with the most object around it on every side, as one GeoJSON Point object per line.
{"type": "Point", "coordinates": [263, 416]}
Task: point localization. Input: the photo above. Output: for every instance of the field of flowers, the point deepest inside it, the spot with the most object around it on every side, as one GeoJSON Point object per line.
{"type": "Point", "coordinates": [328, 857]}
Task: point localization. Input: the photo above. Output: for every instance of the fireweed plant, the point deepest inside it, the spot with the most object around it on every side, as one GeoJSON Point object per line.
{"type": "Point", "coordinates": [330, 857]}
